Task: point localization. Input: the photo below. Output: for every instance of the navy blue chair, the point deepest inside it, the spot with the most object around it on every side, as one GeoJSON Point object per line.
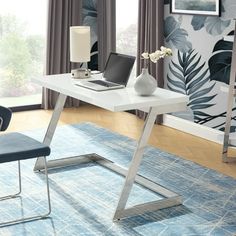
{"type": "Point", "coordinates": [16, 147]}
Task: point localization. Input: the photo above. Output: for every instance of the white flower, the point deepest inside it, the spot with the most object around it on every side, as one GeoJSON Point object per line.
{"type": "Point", "coordinates": [158, 54]}
{"type": "Point", "coordinates": [145, 55]}
{"type": "Point", "coordinates": [155, 56]}
{"type": "Point", "coordinates": [166, 51]}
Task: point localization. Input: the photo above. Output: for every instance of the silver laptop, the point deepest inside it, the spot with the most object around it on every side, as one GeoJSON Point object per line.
{"type": "Point", "coordinates": [115, 76]}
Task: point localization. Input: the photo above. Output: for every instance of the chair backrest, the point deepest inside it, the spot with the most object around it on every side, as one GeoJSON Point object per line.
{"type": "Point", "coordinates": [5, 117]}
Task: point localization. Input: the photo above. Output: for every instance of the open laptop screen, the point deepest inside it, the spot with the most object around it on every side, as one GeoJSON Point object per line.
{"type": "Point", "coordinates": [118, 68]}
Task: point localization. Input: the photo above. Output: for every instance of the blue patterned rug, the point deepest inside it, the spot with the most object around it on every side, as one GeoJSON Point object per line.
{"type": "Point", "coordinates": [84, 197]}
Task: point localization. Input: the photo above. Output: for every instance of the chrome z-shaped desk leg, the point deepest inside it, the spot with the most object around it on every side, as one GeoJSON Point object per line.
{"type": "Point", "coordinates": [171, 199]}
{"type": "Point", "coordinates": [39, 165]}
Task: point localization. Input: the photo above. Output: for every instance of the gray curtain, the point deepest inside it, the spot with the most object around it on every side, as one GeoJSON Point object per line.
{"type": "Point", "coordinates": [150, 38]}
{"type": "Point", "coordinates": [61, 15]}
{"type": "Point", "coordinates": [106, 30]}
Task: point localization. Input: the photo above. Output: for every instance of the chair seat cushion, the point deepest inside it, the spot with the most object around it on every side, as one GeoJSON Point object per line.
{"type": "Point", "coordinates": [16, 146]}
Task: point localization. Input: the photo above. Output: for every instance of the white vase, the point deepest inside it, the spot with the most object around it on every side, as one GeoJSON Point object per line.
{"type": "Point", "coordinates": [145, 84]}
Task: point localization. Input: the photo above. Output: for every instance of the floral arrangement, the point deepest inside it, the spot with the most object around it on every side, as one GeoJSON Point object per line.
{"type": "Point", "coordinates": [158, 54]}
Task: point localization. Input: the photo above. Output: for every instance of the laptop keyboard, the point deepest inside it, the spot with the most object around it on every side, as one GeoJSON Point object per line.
{"type": "Point", "coordinates": [103, 83]}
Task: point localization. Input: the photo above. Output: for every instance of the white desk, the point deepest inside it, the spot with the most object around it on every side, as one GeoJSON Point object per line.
{"type": "Point", "coordinates": [162, 101]}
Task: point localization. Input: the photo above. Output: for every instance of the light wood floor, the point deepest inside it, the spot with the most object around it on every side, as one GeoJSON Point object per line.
{"type": "Point", "coordinates": [189, 147]}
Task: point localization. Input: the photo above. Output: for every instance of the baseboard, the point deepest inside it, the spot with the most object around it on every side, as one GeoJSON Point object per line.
{"type": "Point", "coordinates": [193, 128]}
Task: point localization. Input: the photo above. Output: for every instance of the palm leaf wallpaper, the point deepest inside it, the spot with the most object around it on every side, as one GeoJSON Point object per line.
{"type": "Point", "coordinates": [201, 62]}
{"type": "Point", "coordinates": [190, 78]}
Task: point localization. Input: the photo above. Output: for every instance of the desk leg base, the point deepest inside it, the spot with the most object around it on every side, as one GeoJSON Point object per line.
{"type": "Point", "coordinates": [64, 162]}
{"type": "Point", "coordinates": [148, 207]}
{"type": "Point", "coordinates": [169, 198]}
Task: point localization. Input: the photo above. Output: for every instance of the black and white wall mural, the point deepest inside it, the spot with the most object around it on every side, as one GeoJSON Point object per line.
{"type": "Point", "coordinates": [200, 65]}
{"type": "Point", "coordinates": [89, 18]}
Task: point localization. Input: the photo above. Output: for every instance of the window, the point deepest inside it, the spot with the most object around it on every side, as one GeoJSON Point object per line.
{"type": "Point", "coordinates": [22, 50]}
{"type": "Point", "coordinates": [126, 28]}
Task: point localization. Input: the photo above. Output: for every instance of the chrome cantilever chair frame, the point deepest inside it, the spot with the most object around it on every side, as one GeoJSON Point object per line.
{"type": "Point", "coordinates": [34, 217]}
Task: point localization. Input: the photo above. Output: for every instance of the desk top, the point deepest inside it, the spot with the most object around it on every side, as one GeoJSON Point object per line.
{"type": "Point", "coordinates": [113, 100]}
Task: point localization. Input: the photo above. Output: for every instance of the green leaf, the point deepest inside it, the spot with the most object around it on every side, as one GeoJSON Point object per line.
{"type": "Point", "coordinates": [201, 92]}
{"type": "Point", "coordinates": [223, 45]}
{"type": "Point", "coordinates": [184, 59]}
{"type": "Point", "coordinates": [89, 5]}
{"type": "Point", "coordinates": [191, 68]}
{"type": "Point", "coordinates": [180, 60]}
{"type": "Point", "coordinates": [219, 66]}
{"type": "Point", "coordinates": [216, 25]}
{"type": "Point", "coordinates": [194, 73]}
{"type": "Point", "coordinates": [202, 100]}
{"type": "Point", "coordinates": [189, 54]}
{"type": "Point", "coordinates": [176, 74]}
{"type": "Point", "coordinates": [178, 84]}
{"type": "Point", "coordinates": [177, 67]}
{"type": "Point", "coordinates": [175, 35]}
{"type": "Point", "coordinates": [200, 113]}
{"type": "Point", "coordinates": [201, 106]}
{"type": "Point", "coordinates": [191, 59]}
{"type": "Point", "coordinates": [198, 22]}
{"type": "Point", "coordinates": [196, 118]}
{"type": "Point", "coordinates": [196, 81]}
{"type": "Point", "coordinates": [197, 86]}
